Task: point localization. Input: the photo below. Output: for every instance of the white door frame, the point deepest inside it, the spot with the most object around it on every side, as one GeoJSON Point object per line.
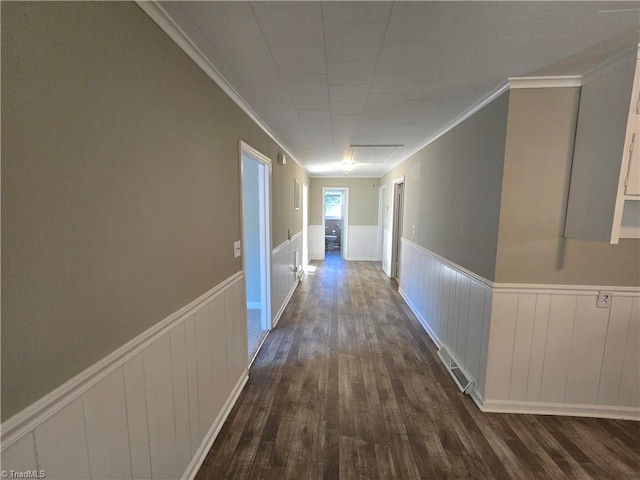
{"type": "Point", "coordinates": [264, 168]}
{"type": "Point", "coordinates": [396, 232]}
{"type": "Point", "coordinates": [344, 241]}
{"type": "Point", "coordinates": [305, 226]}
{"type": "Point", "coordinates": [381, 201]}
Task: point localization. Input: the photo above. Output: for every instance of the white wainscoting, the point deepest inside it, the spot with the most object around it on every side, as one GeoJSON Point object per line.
{"type": "Point", "coordinates": [151, 409]}
{"type": "Point", "coordinates": [316, 242]}
{"type": "Point", "coordinates": [363, 243]}
{"type": "Point", "coordinates": [552, 351]}
{"type": "Point", "coordinates": [451, 303]}
{"type": "Point", "coordinates": [283, 274]}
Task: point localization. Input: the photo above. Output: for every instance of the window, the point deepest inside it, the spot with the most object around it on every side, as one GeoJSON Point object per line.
{"type": "Point", "coordinates": [333, 206]}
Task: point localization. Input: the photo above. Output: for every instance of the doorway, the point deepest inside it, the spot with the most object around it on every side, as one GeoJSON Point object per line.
{"type": "Point", "coordinates": [305, 227]}
{"type": "Point", "coordinates": [335, 218]}
{"type": "Point", "coordinates": [255, 171]}
{"type": "Point", "coordinates": [396, 234]}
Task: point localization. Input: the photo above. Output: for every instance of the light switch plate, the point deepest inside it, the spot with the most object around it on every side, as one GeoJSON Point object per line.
{"type": "Point", "coordinates": [236, 249]}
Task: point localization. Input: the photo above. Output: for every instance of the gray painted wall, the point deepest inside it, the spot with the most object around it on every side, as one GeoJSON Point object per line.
{"type": "Point", "coordinates": [120, 187]}
{"type": "Point", "coordinates": [531, 246]}
{"type": "Point", "coordinates": [363, 199]}
{"type": "Point", "coordinates": [452, 190]}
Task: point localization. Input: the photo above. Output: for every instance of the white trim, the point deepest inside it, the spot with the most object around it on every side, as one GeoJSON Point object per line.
{"type": "Point", "coordinates": [468, 273]}
{"type": "Point", "coordinates": [564, 289]}
{"type": "Point", "coordinates": [560, 81]}
{"type": "Point", "coordinates": [422, 321]}
{"type": "Point", "coordinates": [166, 23]}
{"type": "Point", "coordinates": [286, 242]}
{"type": "Point", "coordinates": [200, 455]}
{"type": "Point", "coordinates": [555, 289]}
{"type": "Point", "coordinates": [614, 62]}
{"type": "Point", "coordinates": [573, 410]}
{"type": "Point", "coordinates": [480, 104]}
{"type": "Point", "coordinates": [36, 413]}
{"type": "Point", "coordinates": [344, 240]}
{"type": "Point", "coordinates": [278, 314]}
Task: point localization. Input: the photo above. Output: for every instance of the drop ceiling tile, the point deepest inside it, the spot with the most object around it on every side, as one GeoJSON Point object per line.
{"type": "Point", "coordinates": [227, 25]}
{"type": "Point", "coordinates": [420, 21]}
{"type": "Point", "coordinates": [315, 118]}
{"type": "Point", "coordinates": [347, 107]}
{"type": "Point", "coordinates": [300, 60]}
{"type": "Point", "coordinates": [351, 72]}
{"type": "Point", "coordinates": [355, 12]}
{"type": "Point", "coordinates": [348, 93]}
{"type": "Point", "coordinates": [311, 101]}
{"type": "Point", "coordinates": [345, 119]}
{"type": "Point", "coordinates": [306, 84]}
{"type": "Point", "coordinates": [386, 100]}
{"type": "Point", "coordinates": [419, 105]}
{"type": "Point", "coordinates": [392, 82]}
{"type": "Point", "coordinates": [405, 57]}
{"type": "Point", "coordinates": [290, 23]}
{"type": "Point", "coordinates": [280, 113]}
{"type": "Point", "coordinates": [353, 41]}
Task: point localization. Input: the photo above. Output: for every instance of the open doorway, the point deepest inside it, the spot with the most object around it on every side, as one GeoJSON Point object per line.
{"type": "Point", "coordinates": [255, 169]}
{"type": "Point", "coordinates": [335, 218]}
{"type": "Point", "coordinates": [396, 234]}
{"type": "Point", "coordinates": [305, 226]}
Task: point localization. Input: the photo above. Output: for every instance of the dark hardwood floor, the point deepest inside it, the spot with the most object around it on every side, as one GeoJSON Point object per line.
{"type": "Point", "coordinates": [349, 386]}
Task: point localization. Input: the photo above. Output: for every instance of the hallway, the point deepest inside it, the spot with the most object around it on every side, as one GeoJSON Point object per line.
{"type": "Point", "coordinates": [348, 385]}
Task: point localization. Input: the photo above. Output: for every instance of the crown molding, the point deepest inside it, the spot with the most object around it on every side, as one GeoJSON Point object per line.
{"type": "Point", "coordinates": [560, 81]}
{"type": "Point", "coordinates": [614, 62]}
{"type": "Point", "coordinates": [166, 23]}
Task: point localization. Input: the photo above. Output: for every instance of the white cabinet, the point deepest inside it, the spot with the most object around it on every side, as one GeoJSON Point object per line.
{"type": "Point", "coordinates": [604, 194]}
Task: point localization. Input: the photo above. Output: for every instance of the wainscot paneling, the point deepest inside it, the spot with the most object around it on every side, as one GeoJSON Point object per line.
{"type": "Point", "coordinates": [551, 350]}
{"type": "Point", "coordinates": [452, 304]}
{"type": "Point", "coordinates": [363, 243]}
{"type": "Point", "coordinates": [283, 273]}
{"type": "Point", "coordinates": [316, 242]}
{"type": "Point", "coordinates": [151, 409]}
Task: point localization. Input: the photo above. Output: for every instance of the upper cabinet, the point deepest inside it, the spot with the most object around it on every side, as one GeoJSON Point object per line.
{"type": "Point", "coordinates": [604, 195]}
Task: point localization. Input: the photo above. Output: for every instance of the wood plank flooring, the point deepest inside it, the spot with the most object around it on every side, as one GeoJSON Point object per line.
{"type": "Point", "coordinates": [349, 386]}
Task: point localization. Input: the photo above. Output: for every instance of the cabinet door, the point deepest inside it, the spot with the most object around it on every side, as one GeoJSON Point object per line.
{"type": "Point", "coordinates": [632, 150]}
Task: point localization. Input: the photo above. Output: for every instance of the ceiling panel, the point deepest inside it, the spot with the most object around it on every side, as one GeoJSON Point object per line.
{"type": "Point", "coordinates": [355, 12]}
{"type": "Point", "coordinates": [351, 72]}
{"type": "Point", "coordinates": [290, 24]}
{"type": "Point", "coordinates": [353, 41]}
{"type": "Point", "coordinates": [324, 75]}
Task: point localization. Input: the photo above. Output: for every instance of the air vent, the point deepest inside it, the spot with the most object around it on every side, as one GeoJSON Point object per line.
{"type": "Point", "coordinates": [462, 378]}
{"type": "Point", "coordinates": [372, 153]}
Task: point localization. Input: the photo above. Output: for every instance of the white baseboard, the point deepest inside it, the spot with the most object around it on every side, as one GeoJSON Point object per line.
{"type": "Point", "coordinates": [572, 410]}
{"type": "Point", "coordinates": [362, 259]}
{"type": "Point", "coordinates": [254, 305]}
{"type": "Point", "coordinates": [200, 455]}
{"type": "Point", "coordinates": [284, 304]}
{"type": "Point", "coordinates": [422, 321]}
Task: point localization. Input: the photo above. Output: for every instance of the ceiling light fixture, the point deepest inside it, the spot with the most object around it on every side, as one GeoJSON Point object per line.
{"type": "Point", "coordinates": [348, 163]}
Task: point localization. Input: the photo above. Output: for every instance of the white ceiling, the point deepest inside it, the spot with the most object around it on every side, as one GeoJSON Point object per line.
{"type": "Point", "coordinates": [326, 75]}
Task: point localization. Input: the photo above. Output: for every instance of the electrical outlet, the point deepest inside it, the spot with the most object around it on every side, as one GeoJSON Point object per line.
{"type": "Point", "coordinates": [236, 249]}
{"type": "Point", "coordinates": [604, 299]}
